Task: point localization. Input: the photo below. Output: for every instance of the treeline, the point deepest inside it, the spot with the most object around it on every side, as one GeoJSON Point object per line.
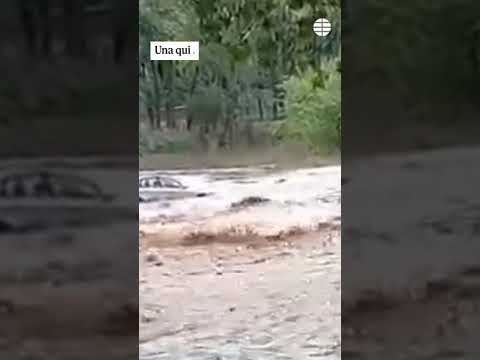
{"type": "Point", "coordinates": [74, 46]}
{"type": "Point", "coordinates": [425, 53]}
{"type": "Point", "coordinates": [249, 52]}
{"type": "Point", "coordinates": [71, 28]}
{"type": "Point", "coordinates": [413, 74]}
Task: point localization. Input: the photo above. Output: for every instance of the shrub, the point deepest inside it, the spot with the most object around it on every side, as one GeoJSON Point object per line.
{"type": "Point", "coordinates": [314, 109]}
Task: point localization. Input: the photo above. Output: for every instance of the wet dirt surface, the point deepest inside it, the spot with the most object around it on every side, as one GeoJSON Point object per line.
{"type": "Point", "coordinates": [59, 255]}
{"type": "Point", "coordinates": [416, 265]}
{"type": "Point", "coordinates": [257, 282]}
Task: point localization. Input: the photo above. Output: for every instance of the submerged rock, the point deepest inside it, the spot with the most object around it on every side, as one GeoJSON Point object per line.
{"type": "Point", "coordinates": [143, 199]}
{"type": "Point", "coordinates": [249, 201]}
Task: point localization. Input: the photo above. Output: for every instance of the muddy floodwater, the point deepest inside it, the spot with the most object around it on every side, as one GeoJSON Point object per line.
{"type": "Point", "coordinates": [225, 277]}
{"type": "Point", "coordinates": [66, 274]}
{"type": "Point", "coordinates": [417, 261]}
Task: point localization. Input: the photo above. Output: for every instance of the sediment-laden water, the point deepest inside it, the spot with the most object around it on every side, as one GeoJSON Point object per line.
{"type": "Point", "coordinates": [66, 282]}
{"type": "Point", "coordinates": [416, 263]}
{"type": "Point", "coordinates": [257, 280]}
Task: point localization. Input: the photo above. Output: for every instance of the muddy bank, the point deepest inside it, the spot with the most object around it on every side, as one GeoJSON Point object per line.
{"type": "Point", "coordinates": [425, 232]}
{"type": "Point", "coordinates": [247, 300]}
{"type": "Point", "coordinates": [416, 263]}
{"type": "Point", "coordinates": [441, 323]}
{"type": "Point", "coordinates": [286, 157]}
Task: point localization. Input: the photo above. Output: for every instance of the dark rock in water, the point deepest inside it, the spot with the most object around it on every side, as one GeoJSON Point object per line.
{"type": "Point", "coordinates": [44, 184]}
{"type": "Point", "coordinates": [6, 227]}
{"type": "Point", "coordinates": [169, 195]}
{"type": "Point", "coordinates": [151, 258]}
{"type": "Point", "coordinates": [122, 320]}
{"type": "Point", "coordinates": [9, 228]}
{"type": "Point", "coordinates": [246, 182]}
{"type": "Point", "coordinates": [159, 182]}
{"type": "Point", "coordinates": [249, 201]}
{"type": "Point", "coordinates": [7, 306]}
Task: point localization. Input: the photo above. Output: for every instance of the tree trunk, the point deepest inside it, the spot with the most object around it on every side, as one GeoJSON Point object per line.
{"type": "Point", "coordinates": [45, 28]}
{"type": "Point", "coordinates": [203, 137]}
{"type": "Point", "coordinates": [475, 51]}
{"type": "Point", "coordinates": [193, 86]}
{"type": "Point", "coordinates": [231, 134]}
{"type": "Point", "coordinates": [170, 83]}
{"type": "Point", "coordinates": [74, 21]}
{"type": "Point", "coordinates": [151, 117]}
{"type": "Point", "coordinates": [260, 108]}
{"type": "Point", "coordinates": [37, 27]}
{"type": "Point", "coordinates": [247, 106]}
{"type": "Point", "coordinates": [119, 44]}
{"type": "Point", "coordinates": [249, 133]}
{"type": "Point", "coordinates": [273, 79]}
{"type": "Point", "coordinates": [124, 26]}
{"type": "Point", "coordinates": [28, 23]}
{"type": "Point", "coordinates": [156, 96]}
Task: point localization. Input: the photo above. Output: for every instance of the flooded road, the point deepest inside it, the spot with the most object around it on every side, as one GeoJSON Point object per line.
{"type": "Point", "coordinates": [295, 199]}
{"type": "Point", "coordinates": [415, 264]}
{"type": "Point", "coordinates": [59, 254]}
{"type": "Point", "coordinates": [260, 281]}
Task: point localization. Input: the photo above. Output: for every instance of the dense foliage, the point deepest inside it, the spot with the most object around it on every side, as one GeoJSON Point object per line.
{"type": "Point", "coordinates": [248, 52]}
{"type": "Point", "coordinates": [424, 52]}
{"type": "Point", "coordinates": [313, 104]}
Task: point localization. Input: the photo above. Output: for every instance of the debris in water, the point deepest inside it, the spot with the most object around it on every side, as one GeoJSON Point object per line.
{"type": "Point", "coordinates": [249, 201]}
{"type": "Point", "coordinates": [6, 306]}
{"type": "Point", "coordinates": [218, 268]}
{"type": "Point", "coordinates": [152, 257]}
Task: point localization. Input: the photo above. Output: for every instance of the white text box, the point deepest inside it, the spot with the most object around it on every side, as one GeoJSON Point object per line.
{"type": "Point", "coordinates": [174, 50]}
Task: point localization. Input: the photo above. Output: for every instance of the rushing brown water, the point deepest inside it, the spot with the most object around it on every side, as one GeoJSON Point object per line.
{"type": "Point", "coordinates": [64, 278]}
{"type": "Point", "coordinates": [416, 263]}
{"type": "Point", "coordinates": [261, 282]}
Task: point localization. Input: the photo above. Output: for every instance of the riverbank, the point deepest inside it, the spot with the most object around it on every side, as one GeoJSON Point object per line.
{"type": "Point", "coordinates": [285, 156]}
{"type": "Point", "coordinates": [276, 300]}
